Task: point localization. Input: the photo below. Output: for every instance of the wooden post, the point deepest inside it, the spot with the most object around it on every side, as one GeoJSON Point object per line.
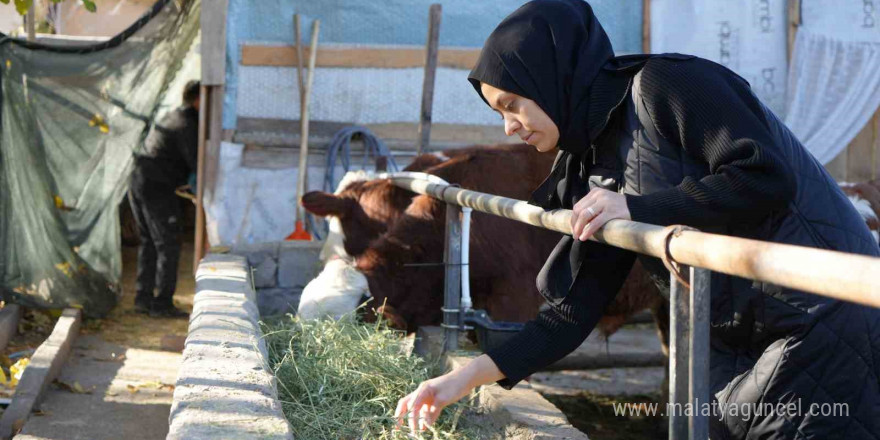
{"type": "Point", "coordinates": [31, 22]}
{"type": "Point", "coordinates": [304, 121]}
{"type": "Point", "coordinates": [794, 20]}
{"type": "Point", "coordinates": [424, 138]}
{"type": "Point", "coordinates": [646, 26]}
{"type": "Point", "coordinates": [204, 107]}
{"type": "Point", "coordinates": [213, 53]}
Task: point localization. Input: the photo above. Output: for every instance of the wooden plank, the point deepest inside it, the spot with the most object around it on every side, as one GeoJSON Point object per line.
{"type": "Point", "coordinates": [213, 46]}
{"type": "Point", "coordinates": [9, 317]}
{"type": "Point", "coordinates": [837, 167]}
{"type": "Point", "coordinates": [285, 133]}
{"type": "Point", "coordinates": [200, 174]}
{"type": "Point", "coordinates": [860, 152]}
{"type": "Point", "coordinates": [375, 57]}
{"type": "Point", "coordinates": [44, 367]}
{"type": "Point", "coordinates": [794, 21]}
{"type": "Point", "coordinates": [434, 16]}
{"type": "Point", "coordinates": [30, 23]}
{"type": "Point", "coordinates": [875, 145]}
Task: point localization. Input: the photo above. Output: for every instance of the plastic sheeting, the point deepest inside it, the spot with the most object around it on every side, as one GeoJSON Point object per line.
{"type": "Point", "coordinates": [465, 23]}
{"type": "Point", "coordinates": [255, 205]}
{"type": "Point", "coordinates": [749, 37]}
{"type": "Point", "coordinates": [69, 122]}
{"type": "Point", "coordinates": [834, 85]}
{"type": "Point", "coordinates": [363, 96]}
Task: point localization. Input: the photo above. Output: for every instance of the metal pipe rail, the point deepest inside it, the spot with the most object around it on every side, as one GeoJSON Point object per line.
{"type": "Point", "coordinates": [697, 253]}
{"type": "Point", "coordinates": [833, 274]}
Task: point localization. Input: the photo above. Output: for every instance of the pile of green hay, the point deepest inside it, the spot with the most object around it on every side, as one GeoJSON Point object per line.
{"type": "Point", "coordinates": [342, 379]}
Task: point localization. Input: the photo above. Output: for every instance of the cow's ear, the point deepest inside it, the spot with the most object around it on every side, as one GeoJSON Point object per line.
{"type": "Point", "coordinates": [324, 204]}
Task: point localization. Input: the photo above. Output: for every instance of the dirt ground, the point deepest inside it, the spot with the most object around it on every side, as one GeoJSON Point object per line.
{"type": "Point", "coordinates": [133, 330]}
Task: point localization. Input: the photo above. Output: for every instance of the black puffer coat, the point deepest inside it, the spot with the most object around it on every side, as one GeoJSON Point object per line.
{"type": "Point", "coordinates": [768, 345]}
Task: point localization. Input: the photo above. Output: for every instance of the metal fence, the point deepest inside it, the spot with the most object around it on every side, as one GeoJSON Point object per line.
{"type": "Point", "coordinates": [690, 253]}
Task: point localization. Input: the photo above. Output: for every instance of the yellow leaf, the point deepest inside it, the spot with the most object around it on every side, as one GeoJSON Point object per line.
{"type": "Point", "coordinates": [59, 202]}
{"type": "Point", "coordinates": [78, 388]}
{"type": "Point", "coordinates": [17, 369]}
{"type": "Point", "coordinates": [104, 128]}
{"type": "Point", "coordinates": [3, 378]}
{"type": "Point", "coordinates": [64, 267]}
{"type": "Point", "coordinates": [8, 64]}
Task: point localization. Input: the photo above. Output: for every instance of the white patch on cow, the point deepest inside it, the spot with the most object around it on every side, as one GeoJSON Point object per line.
{"type": "Point", "coordinates": [333, 244]}
{"type": "Point", "coordinates": [335, 292]}
{"type": "Point", "coordinates": [440, 155]}
{"type": "Point", "coordinates": [865, 210]}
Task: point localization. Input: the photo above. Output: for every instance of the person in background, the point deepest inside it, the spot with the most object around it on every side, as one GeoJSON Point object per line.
{"type": "Point", "coordinates": [167, 161]}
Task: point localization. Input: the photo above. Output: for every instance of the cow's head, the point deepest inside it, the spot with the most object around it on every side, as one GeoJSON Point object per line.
{"type": "Point", "coordinates": [363, 209]}
{"type": "Point", "coordinates": [404, 267]}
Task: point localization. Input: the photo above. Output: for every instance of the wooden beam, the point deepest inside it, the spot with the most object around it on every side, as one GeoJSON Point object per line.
{"type": "Point", "coordinates": [425, 115]}
{"type": "Point", "coordinates": [376, 57]}
{"type": "Point", "coordinates": [213, 47]}
{"type": "Point", "coordinates": [794, 21]}
{"type": "Point", "coordinates": [860, 153]}
{"type": "Point", "coordinates": [31, 22]}
{"type": "Point", "coordinates": [200, 175]}
{"type": "Point", "coordinates": [45, 365]}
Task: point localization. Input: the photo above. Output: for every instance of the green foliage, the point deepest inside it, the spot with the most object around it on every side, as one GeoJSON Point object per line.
{"type": "Point", "coordinates": [22, 6]}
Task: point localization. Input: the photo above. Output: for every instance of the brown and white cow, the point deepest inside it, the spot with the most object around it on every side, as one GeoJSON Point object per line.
{"type": "Point", "coordinates": [397, 238]}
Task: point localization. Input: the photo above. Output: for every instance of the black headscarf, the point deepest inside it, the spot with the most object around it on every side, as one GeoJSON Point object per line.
{"type": "Point", "coordinates": [549, 51]}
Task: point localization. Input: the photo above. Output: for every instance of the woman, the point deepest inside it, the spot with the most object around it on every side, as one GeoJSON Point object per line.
{"type": "Point", "coordinates": [673, 139]}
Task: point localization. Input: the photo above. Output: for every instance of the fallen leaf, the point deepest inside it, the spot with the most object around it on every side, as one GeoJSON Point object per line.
{"type": "Point", "coordinates": [132, 389]}
{"type": "Point", "coordinates": [75, 388]}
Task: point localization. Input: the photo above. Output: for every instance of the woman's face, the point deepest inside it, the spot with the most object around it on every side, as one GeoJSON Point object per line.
{"type": "Point", "coordinates": [523, 117]}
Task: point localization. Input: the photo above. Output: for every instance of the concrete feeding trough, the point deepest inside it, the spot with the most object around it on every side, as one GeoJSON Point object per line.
{"type": "Point", "coordinates": [225, 388]}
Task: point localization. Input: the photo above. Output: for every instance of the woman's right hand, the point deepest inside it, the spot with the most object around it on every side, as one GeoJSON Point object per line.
{"type": "Point", "coordinates": [428, 400]}
{"type": "Point", "coordinates": [425, 403]}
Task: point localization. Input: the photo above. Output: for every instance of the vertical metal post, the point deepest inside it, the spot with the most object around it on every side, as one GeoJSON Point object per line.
{"type": "Point", "coordinates": [699, 351]}
{"type": "Point", "coordinates": [679, 348]}
{"type": "Point", "coordinates": [452, 290]}
{"type": "Point", "coordinates": [424, 138]}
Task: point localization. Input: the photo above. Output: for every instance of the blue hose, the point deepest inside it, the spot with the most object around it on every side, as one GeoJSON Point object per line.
{"type": "Point", "coordinates": [340, 148]}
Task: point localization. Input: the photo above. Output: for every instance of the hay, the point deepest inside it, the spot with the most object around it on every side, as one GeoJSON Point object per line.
{"type": "Point", "coordinates": [342, 379]}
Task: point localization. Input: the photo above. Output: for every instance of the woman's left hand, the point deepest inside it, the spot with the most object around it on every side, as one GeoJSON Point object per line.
{"type": "Point", "coordinates": [594, 210]}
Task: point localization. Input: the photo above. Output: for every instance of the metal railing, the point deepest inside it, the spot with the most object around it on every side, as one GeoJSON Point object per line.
{"type": "Point", "coordinates": [695, 254]}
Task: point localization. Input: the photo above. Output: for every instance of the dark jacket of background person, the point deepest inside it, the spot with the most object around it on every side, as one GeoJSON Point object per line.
{"type": "Point", "coordinates": [171, 148]}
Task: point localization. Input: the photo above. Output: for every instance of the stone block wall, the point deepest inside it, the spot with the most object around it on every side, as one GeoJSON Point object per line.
{"type": "Point", "coordinates": [280, 272]}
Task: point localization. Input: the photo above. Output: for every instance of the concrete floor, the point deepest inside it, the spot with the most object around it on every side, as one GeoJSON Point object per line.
{"type": "Point", "coordinates": [129, 395]}
{"type": "Point", "coordinates": [120, 363]}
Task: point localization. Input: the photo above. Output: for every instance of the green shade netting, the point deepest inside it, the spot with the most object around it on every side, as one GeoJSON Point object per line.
{"type": "Point", "coordinates": [70, 121]}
